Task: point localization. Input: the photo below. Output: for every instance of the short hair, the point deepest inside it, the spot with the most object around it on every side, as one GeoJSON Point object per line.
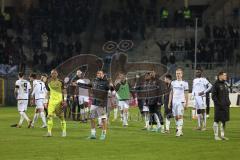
{"type": "Point", "coordinates": [33, 75]}
{"type": "Point", "coordinates": [44, 75]}
{"type": "Point", "coordinates": [21, 74]}
{"type": "Point", "coordinates": [221, 73]}
{"type": "Point", "coordinates": [168, 76]}
{"type": "Point", "coordinates": [100, 71]}
{"type": "Point", "coordinates": [179, 69]}
{"type": "Point", "coordinates": [199, 69]}
{"type": "Point", "coordinates": [54, 70]}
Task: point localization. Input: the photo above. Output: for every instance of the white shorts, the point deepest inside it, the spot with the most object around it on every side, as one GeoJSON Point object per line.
{"type": "Point", "coordinates": [39, 103]}
{"type": "Point", "coordinates": [83, 99]}
{"type": "Point", "coordinates": [84, 110]}
{"type": "Point", "coordinates": [22, 105]}
{"type": "Point", "coordinates": [199, 102]}
{"type": "Point", "coordinates": [98, 112]}
{"type": "Point", "coordinates": [145, 109]}
{"type": "Point", "coordinates": [123, 104]}
{"type": "Point", "coordinates": [177, 109]}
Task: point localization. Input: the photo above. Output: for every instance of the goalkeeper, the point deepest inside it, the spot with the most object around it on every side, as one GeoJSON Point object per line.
{"type": "Point", "coordinates": [57, 100]}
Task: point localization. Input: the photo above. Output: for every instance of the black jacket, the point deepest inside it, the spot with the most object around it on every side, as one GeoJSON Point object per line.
{"type": "Point", "coordinates": [220, 95]}
{"type": "Point", "coordinates": [148, 86]}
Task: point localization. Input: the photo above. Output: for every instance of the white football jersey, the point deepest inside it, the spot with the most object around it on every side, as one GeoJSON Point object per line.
{"type": "Point", "coordinates": [178, 89]}
{"type": "Point", "coordinates": [24, 88]}
{"type": "Point", "coordinates": [83, 91]}
{"type": "Point", "coordinates": [39, 89]}
{"type": "Point", "coordinates": [201, 85]}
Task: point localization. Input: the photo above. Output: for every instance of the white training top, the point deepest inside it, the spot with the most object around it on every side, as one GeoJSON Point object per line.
{"type": "Point", "coordinates": [178, 89]}
{"type": "Point", "coordinates": [24, 88]}
{"type": "Point", "coordinates": [39, 89]}
{"type": "Point", "coordinates": [83, 91]}
{"type": "Point", "coordinates": [201, 85]}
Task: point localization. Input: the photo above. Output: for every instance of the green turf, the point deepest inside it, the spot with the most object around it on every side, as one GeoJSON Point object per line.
{"type": "Point", "coordinates": [121, 143]}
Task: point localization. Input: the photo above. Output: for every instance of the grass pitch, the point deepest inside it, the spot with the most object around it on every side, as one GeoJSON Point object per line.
{"type": "Point", "coordinates": [121, 143]}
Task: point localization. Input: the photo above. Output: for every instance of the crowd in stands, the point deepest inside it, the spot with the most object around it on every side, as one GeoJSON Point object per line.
{"type": "Point", "coordinates": [217, 45]}
{"type": "Point", "coordinates": [51, 28]}
{"type": "Point", "coordinates": [130, 19]}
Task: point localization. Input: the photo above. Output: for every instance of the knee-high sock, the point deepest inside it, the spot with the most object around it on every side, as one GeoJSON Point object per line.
{"type": "Point", "coordinates": [167, 123]}
{"type": "Point", "coordinates": [43, 118]}
{"type": "Point", "coordinates": [99, 121]}
{"type": "Point", "coordinates": [180, 124]}
{"type": "Point", "coordinates": [157, 120]}
{"type": "Point", "coordinates": [93, 131]}
{"type": "Point", "coordinates": [193, 112]}
{"type": "Point", "coordinates": [63, 125]}
{"type": "Point", "coordinates": [35, 117]}
{"type": "Point", "coordinates": [199, 120]}
{"type": "Point", "coordinates": [222, 130]}
{"type": "Point", "coordinates": [215, 129]}
{"type": "Point", "coordinates": [125, 118]}
{"type": "Point", "coordinates": [121, 115]}
{"type": "Point", "coordinates": [25, 116]}
{"type": "Point", "coordinates": [82, 112]}
{"type": "Point", "coordinates": [50, 123]}
{"type": "Point", "coordinates": [204, 119]}
{"type": "Point", "coordinates": [115, 113]}
{"type": "Point", "coordinates": [21, 118]}
{"type": "Point", "coordinates": [146, 118]}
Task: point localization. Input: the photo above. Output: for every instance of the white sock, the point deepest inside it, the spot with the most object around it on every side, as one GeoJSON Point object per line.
{"type": "Point", "coordinates": [43, 118]}
{"type": "Point", "coordinates": [176, 122]}
{"type": "Point", "coordinates": [157, 120]}
{"type": "Point", "coordinates": [93, 131]}
{"type": "Point", "coordinates": [121, 115]}
{"type": "Point", "coordinates": [215, 129]}
{"type": "Point", "coordinates": [115, 113]}
{"type": "Point", "coordinates": [21, 118]}
{"type": "Point", "coordinates": [199, 120]}
{"type": "Point", "coordinates": [25, 116]}
{"type": "Point", "coordinates": [167, 124]}
{"type": "Point", "coordinates": [124, 118]}
{"type": "Point", "coordinates": [193, 113]}
{"type": "Point", "coordinates": [204, 120]}
{"type": "Point", "coordinates": [82, 111]}
{"type": "Point", "coordinates": [180, 124]}
{"type": "Point", "coordinates": [222, 130]}
{"type": "Point", "coordinates": [127, 116]}
{"type": "Point", "coordinates": [146, 118]}
{"type": "Point", "coordinates": [99, 121]}
{"type": "Point", "coordinates": [35, 117]}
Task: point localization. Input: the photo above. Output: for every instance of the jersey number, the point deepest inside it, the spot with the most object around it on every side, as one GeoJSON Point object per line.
{"type": "Point", "coordinates": [25, 87]}
{"type": "Point", "coordinates": [41, 86]}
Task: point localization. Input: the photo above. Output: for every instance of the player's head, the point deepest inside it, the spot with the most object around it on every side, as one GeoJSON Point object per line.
{"type": "Point", "coordinates": [79, 73]}
{"type": "Point", "coordinates": [199, 72]}
{"type": "Point", "coordinates": [168, 78]}
{"type": "Point", "coordinates": [54, 74]}
{"type": "Point", "coordinates": [179, 73]}
{"type": "Point", "coordinates": [20, 75]}
{"type": "Point", "coordinates": [222, 76]}
{"type": "Point", "coordinates": [33, 76]}
{"type": "Point", "coordinates": [100, 74]}
{"type": "Point", "coordinates": [44, 77]}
